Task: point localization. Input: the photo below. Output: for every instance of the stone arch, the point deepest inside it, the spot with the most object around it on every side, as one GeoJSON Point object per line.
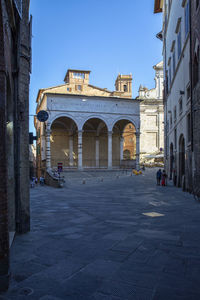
{"type": "Point", "coordinates": [94, 116]}
{"type": "Point", "coordinates": [62, 115]}
{"type": "Point", "coordinates": [124, 143]}
{"type": "Point", "coordinates": [64, 142]}
{"type": "Point", "coordinates": [94, 143]}
{"type": "Point", "coordinates": [131, 120]}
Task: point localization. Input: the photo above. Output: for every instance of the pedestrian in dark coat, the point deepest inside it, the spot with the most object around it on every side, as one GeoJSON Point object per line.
{"type": "Point", "coordinates": [158, 176]}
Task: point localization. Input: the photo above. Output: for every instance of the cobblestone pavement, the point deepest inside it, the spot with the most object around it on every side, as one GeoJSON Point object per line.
{"type": "Point", "coordinates": [123, 238]}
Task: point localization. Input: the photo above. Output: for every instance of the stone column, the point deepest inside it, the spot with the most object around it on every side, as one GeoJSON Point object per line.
{"type": "Point", "coordinates": [4, 232]}
{"type": "Point", "coordinates": [80, 158]}
{"type": "Point", "coordinates": [109, 149]}
{"type": "Point", "coordinates": [97, 151]}
{"type": "Point", "coordinates": [48, 146]}
{"type": "Point", "coordinates": [121, 147]}
{"type": "Point", "coordinates": [137, 150]}
{"type": "Point", "coordinates": [71, 146]}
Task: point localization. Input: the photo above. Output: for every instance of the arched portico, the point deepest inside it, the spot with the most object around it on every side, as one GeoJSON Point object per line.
{"type": "Point", "coordinates": [62, 143]}
{"type": "Point", "coordinates": [90, 132]}
{"type": "Point", "coordinates": [95, 143]}
{"type": "Point", "coordinates": [125, 144]}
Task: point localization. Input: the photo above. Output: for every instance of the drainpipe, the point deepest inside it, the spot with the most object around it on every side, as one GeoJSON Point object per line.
{"type": "Point", "coordinates": [191, 78]}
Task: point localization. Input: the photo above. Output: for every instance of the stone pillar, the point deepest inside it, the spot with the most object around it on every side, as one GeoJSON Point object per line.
{"type": "Point", "coordinates": [137, 150]}
{"type": "Point", "coordinates": [109, 149]}
{"type": "Point", "coordinates": [97, 151]}
{"type": "Point", "coordinates": [80, 158]}
{"type": "Point", "coordinates": [48, 146]}
{"type": "Point", "coordinates": [4, 233]}
{"type": "Point", "coordinates": [71, 148]}
{"type": "Point", "coordinates": [121, 148]}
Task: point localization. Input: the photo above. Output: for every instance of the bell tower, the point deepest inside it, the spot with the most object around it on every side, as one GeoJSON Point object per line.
{"type": "Point", "coordinates": [123, 85]}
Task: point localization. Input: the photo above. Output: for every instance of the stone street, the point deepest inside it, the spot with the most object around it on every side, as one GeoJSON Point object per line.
{"type": "Point", "coordinates": [120, 238]}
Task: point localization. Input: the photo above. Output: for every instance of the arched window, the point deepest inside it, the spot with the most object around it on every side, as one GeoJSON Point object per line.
{"type": "Point", "coordinates": [196, 67]}
{"type": "Point", "coordinates": [125, 88]}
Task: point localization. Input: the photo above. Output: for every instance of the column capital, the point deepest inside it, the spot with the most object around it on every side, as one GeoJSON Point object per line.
{"type": "Point", "coordinates": [110, 132]}
{"type": "Point", "coordinates": [48, 125]}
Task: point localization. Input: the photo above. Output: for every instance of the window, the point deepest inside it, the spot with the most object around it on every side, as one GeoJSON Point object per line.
{"type": "Point", "coordinates": [78, 87]}
{"type": "Point", "coordinates": [189, 127]}
{"type": "Point", "coordinates": [78, 75]}
{"type": "Point", "coordinates": [187, 20]}
{"type": "Point", "coordinates": [174, 62]}
{"type": "Point", "coordinates": [188, 92]}
{"type": "Point", "coordinates": [196, 67]}
{"type": "Point", "coordinates": [175, 138]}
{"type": "Point", "coordinates": [166, 83]}
{"type": "Point", "coordinates": [170, 75]}
{"type": "Point", "coordinates": [125, 88]}
{"type": "Point", "coordinates": [179, 42]}
{"type": "Point", "coordinates": [174, 113]}
{"type": "Point", "coordinates": [180, 105]}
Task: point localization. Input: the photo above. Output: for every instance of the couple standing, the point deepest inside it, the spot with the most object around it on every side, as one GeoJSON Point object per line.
{"type": "Point", "coordinates": [161, 176]}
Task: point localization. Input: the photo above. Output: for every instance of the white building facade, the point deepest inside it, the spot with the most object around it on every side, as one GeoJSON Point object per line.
{"type": "Point", "coordinates": [85, 126]}
{"type": "Point", "coordinates": [152, 120]}
{"type": "Point", "coordinates": [176, 55]}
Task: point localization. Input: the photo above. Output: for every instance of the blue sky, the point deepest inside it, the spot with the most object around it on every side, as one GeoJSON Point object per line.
{"type": "Point", "coordinates": [105, 36]}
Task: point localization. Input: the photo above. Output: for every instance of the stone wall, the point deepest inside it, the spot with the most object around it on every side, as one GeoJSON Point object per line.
{"type": "Point", "coordinates": [195, 26]}
{"type": "Point", "coordinates": [14, 114]}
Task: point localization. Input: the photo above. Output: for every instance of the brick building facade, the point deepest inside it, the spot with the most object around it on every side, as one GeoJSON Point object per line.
{"type": "Point", "coordinates": [195, 72]}
{"type": "Point", "coordinates": [15, 60]}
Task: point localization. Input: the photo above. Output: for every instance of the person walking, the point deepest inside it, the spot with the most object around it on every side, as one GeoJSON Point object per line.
{"type": "Point", "coordinates": [158, 176]}
{"type": "Point", "coordinates": [33, 182]}
{"type": "Point", "coordinates": [163, 178]}
{"type": "Point", "coordinates": [41, 180]}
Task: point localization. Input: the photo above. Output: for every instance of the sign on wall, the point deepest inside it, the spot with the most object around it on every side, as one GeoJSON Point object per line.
{"type": "Point", "coordinates": [42, 115]}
